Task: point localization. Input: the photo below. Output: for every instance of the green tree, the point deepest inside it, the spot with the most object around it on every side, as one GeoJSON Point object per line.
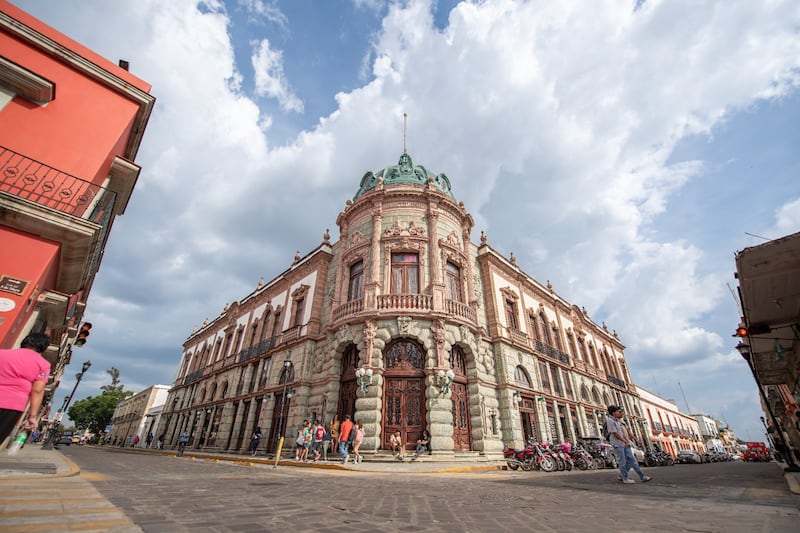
{"type": "Point", "coordinates": [115, 384]}
{"type": "Point", "coordinates": [94, 413]}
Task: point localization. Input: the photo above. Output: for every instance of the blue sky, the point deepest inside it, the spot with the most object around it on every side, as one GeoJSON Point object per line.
{"type": "Point", "coordinates": [623, 154]}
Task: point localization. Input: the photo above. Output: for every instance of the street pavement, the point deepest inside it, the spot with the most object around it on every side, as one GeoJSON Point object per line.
{"type": "Point", "coordinates": [125, 490]}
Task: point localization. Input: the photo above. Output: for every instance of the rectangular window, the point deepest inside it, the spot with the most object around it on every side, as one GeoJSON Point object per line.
{"type": "Point", "coordinates": [567, 384]}
{"type": "Point", "coordinates": [299, 308]}
{"type": "Point", "coordinates": [276, 325]}
{"type": "Point", "coordinates": [405, 274]}
{"type": "Point", "coordinates": [556, 381]}
{"type": "Point", "coordinates": [265, 372]}
{"type": "Point", "coordinates": [544, 376]}
{"type": "Point", "coordinates": [356, 281]}
{"type": "Point", "coordinates": [453, 282]}
{"type": "Point", "coordinates": [533, 327]}
{"type": "Point", "coordinates": [511, 315]}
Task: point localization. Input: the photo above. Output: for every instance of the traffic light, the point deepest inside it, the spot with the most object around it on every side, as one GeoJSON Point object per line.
{"type": "Point", "coordinates": [82, 334]}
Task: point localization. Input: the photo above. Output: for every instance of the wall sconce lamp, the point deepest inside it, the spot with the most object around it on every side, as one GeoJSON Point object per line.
{"type": "Point", "coordinates": [364, 379]}
{"type": "Point", "coordinates": [444, 380]}
{"type": "Point", "coordinates": [540, 399]}
{"type": "Point", "coordinates": [516, 397]}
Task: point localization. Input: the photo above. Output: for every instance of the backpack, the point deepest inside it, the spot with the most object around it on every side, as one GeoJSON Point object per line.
{"type": "Point", "coordinates": [606, 433]}
{"type": "Point", "coordinates": [320, 433]}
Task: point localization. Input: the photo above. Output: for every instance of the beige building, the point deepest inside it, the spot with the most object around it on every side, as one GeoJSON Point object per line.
{"type": "Point", "coordinates": [137, 415]}
{"type": "Point", "coordinates": [668, 428]}
{"type": "Point", "coordinates": [447, 335]}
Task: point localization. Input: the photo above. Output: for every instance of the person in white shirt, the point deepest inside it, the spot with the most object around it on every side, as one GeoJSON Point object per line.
{"type": "Point", "coordinates": [620, 439]}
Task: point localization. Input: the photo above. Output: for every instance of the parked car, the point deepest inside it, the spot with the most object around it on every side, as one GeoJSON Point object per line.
{"type": "Point", "coordinates": [638, 454]}
{"type": "Point", "coordinates": [600, 449]}
{"type": "Point", "coordinates": [690, 457]}
{"type": "Point", "coordinates": [65, 439]}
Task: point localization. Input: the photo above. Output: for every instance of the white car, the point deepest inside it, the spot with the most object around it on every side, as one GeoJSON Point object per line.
{"type": "Point", "coordinates": [638, 454]}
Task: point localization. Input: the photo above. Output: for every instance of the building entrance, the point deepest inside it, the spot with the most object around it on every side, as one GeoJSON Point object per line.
{"type": "Point", "coordinates": [404, 393]}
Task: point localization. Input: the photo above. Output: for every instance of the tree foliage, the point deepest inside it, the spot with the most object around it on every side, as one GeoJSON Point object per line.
{"type": "Point", "coordinates": [95, 412]}
{"type": "Point", "coordinates": [115, 384]}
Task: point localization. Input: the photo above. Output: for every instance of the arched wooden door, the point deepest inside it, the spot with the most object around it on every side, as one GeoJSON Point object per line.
{"type": "Point", "coordinates": [404, 393]}
{"type": "Point", "coordinates": [462, 428]}
{"type": "Point", "coordinates": [347, 387]}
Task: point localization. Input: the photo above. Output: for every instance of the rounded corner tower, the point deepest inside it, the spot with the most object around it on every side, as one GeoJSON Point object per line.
{"type": "Point", "coordinates": [404, 306]}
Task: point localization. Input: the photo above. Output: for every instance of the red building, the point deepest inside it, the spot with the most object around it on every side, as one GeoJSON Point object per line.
{"type": "Point", "coordinates": [71, 123]}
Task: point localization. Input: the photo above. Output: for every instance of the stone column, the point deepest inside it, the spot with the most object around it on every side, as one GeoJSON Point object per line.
{"type": "Point", "coordinates": [371, 286]}
{"type": "Point", "coordinates": [440, 414]}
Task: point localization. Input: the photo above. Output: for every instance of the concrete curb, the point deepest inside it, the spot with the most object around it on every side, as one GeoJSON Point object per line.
{"type": "Point", "coordinates": [74, 470]}
{"type": "Point", "coordinates": [336, 465]}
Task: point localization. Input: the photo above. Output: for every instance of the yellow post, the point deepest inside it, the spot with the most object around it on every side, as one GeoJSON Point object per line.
{"type": "Point", "coordinates": [278, 453]}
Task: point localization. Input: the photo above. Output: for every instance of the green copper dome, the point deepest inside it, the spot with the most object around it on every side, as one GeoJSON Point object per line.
{"type": "Point", "coordinates": [404, 172]}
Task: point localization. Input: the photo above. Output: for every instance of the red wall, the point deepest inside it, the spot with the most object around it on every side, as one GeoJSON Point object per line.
{"type": "Point", "coordinates": [29, 258]}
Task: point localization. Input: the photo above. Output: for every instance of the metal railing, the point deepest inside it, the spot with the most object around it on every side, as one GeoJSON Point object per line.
{"type": "Point", "coordinates": [551, 352]}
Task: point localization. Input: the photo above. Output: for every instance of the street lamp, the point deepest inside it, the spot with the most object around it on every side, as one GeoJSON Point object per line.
{"type": "Point", "coordinates": [744, 351]}
{"type": "Point", "coordinates": [287, 365]}
{"type": "Point", "coordinates": [78, 377]}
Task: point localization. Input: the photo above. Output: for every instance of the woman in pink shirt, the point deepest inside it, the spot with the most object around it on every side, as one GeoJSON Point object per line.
{"type": "Point", "coordinates": [23, 376]}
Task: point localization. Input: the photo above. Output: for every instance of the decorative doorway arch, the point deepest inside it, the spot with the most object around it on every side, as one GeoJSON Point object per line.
{"type": "Point", "coordinates": [459, 395]}
{"type": "Point", "coordinates": [404, 395]}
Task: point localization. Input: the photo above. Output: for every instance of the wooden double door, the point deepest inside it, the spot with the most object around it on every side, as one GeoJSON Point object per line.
{"type": "Point", "coordinates": [404, 392]}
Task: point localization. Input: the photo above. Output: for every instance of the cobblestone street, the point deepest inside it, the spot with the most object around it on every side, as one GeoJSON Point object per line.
{"type": "Point", "coordinates": [164, 493]}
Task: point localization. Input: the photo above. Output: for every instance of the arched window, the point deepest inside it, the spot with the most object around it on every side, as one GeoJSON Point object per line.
{"type": "Point", "coordinates": [522, 378]}
{"type": "Point", "coordinates": [585, 394]}
{"type": "Point", "coordinates": [350, 360]}
{"type": "Point", "coordinates": [287, 374]}
{"type": "Point", "coordinates": [546, 337]}
{"type": "Point", "coordinates": [404, 354]}
{"type": "Point", "coordinates": [457, 361]}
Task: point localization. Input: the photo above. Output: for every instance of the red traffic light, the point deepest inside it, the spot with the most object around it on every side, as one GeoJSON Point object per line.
{"type": "Point", "coordinates": [82, 334]}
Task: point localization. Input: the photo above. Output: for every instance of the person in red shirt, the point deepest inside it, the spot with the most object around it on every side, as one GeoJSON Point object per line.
{"type": "Point", "coordinates": [344, 438]}
{"type": "Point", "coordinates": [23, 376]}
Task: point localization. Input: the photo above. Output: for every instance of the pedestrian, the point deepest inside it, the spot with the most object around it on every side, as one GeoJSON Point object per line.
{"type": "Point", "coordinates": [254, 440]}
{"type": "Point", "coordinates": [160, 444]}
{"type": "Point", "coordinates": [423, 444]}
{"type": "Point", "coordinates": [318, 437]}
{"type": "Point", "coordinates": [326, 442]}
{"type": "Point", "coordinates": [335, 423]}
{"type": "Point", "coordinates": [23, 376]}
{"type": "Point", "coordinates": [358, 430]}
{"type": "Point", "coordinates": [183, 440]}
{"type": "Point", "coordinates": [344, 434]}
{"type": "Point", "coordinates": [621, 439]}
{"type": "Point", "coordinates": [136, 441]}
{"type": "Point", "coordinates": [396, 442]}
{"type": "Point", "coordinates": [149, 440]}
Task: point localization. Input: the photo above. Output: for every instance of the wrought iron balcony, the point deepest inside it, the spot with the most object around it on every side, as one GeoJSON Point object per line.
{"type": "Point", "coordinates": [36, 182]}
{"type": "Point", "coordinates": [194, 376]}
{"type": "Point", "coordinates": [551, 352]}
{"type": "Point", "coordinates": [616, 381]}
{"type": "Point", "coordinates": [257, 349]}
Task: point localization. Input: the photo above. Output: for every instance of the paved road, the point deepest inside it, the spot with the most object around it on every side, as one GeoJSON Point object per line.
{"type": "Point", "coordinates": [161, 493]}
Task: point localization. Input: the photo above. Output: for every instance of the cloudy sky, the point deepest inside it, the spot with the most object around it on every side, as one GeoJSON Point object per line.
{"type": "Point", "coordinates": [623, 150]}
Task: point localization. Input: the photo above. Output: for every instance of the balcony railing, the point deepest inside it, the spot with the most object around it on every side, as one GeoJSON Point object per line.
{"type": "Point", "coordinates": [518, 336]}
{"type": "Point", "coordinates": [36, 182]}
{"type": "Point", "coordinates": [616, 381]}
{"type": "Point", "coordinates": [257, 349]}
{"type": "Point", "coordinates": [456, 308]}
{"type": "Point", "coordinates": [194, 376]}
{"type": "Point", "coordinates": [551, 352]}
{"type": "Point", "coordinates": [348, 308]}
{"type": "Point", "coordinates": [414, 302]}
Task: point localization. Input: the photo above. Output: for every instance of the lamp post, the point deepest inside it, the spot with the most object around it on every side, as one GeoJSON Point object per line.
{"type": "Point", "coordinates": [744, 350]}
{"type": "Point", "coordinates": [78, 377]}
{"type": "Point", "coordinates": [287, 365]}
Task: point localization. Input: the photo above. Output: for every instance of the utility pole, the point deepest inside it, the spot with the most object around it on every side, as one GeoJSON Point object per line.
{"type": "Point", "coordinates": [688, 411]}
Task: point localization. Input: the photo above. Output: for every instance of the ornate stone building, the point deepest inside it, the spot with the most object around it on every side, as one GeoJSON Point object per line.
{"type": "Point", "coordinates": [451, 336]}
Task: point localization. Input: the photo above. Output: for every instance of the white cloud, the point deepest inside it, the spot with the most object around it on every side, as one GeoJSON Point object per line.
{"type": "Point", "coordinates": [555, 122]}
{"type": "Point", "coordinates": [270, 79]}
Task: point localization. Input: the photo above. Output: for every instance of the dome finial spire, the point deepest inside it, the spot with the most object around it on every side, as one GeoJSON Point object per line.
{"type": "Point", "coordinates": [405, 120]}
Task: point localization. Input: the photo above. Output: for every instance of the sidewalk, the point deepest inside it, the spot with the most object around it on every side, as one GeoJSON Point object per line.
{"type": "Point", "coordinates": [41, 490]}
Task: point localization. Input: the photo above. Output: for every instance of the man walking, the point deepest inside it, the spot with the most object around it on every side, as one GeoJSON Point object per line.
{"type": "Point", "coordinates": [621, 441]}
{"type": "Point", "coordinates": [183, 440]}
{"type": "Point", "coordinates": [344, 438]}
